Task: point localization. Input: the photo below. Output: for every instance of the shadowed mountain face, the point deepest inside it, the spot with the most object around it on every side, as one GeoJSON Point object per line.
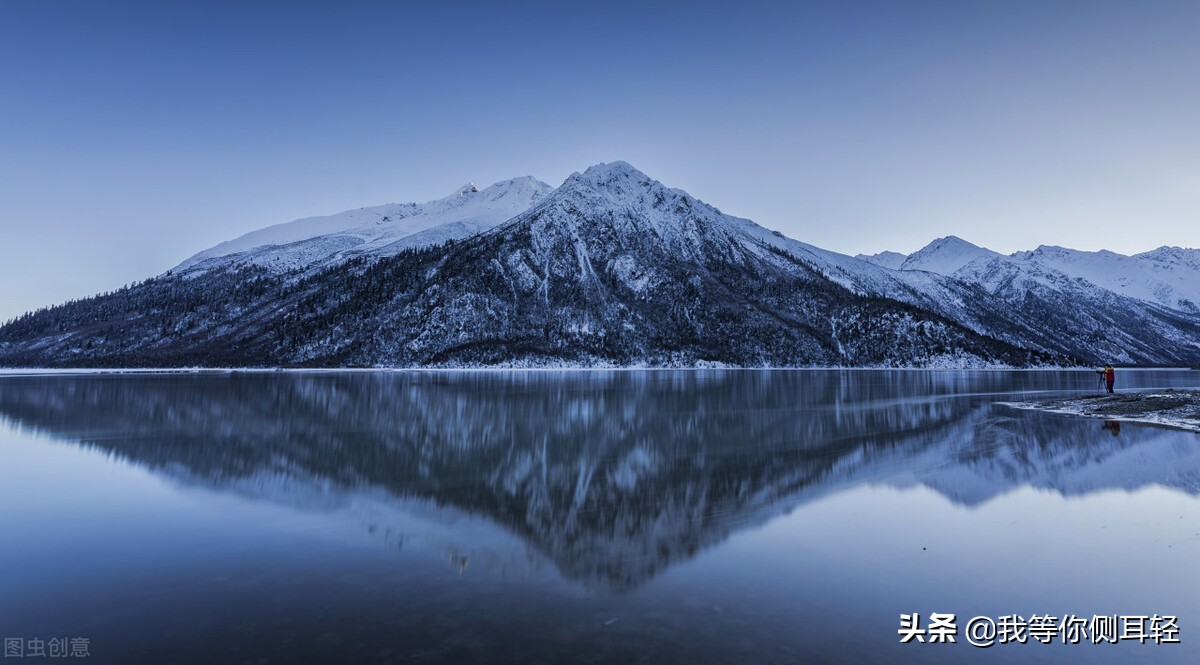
{"type": "Point", "coordinates": [611, 476]}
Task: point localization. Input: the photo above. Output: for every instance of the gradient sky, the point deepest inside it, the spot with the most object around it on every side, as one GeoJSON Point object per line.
{"type": "Point", "coordinates": [133, 135]}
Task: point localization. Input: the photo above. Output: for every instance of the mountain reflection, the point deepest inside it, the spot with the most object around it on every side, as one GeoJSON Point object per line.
{"type": "Point", "coordinates": [613, 476]}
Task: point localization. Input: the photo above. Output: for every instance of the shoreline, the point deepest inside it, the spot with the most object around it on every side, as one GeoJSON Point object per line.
{"type": "Point", "coordinates": [1175, 408]}
{"type": "Point", "coordinates": [33, 371]}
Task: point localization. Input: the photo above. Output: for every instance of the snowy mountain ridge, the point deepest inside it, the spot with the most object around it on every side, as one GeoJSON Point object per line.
{"type": "Point", "coordinates": [1167, 276]}
{"type": "Point", "coordinates": [379, 230]}
{"type": "Point", "coordinates": [891, 260]}
{"type": "Point", "coordinates": [946, 256]}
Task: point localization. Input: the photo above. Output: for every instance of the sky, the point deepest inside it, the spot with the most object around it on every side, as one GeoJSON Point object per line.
{"type": "Point", "coordinates": [135, 134]}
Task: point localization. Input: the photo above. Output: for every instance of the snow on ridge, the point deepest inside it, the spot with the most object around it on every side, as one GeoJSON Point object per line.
{"type": "Point", "coordinates": [1169, 276]}
{"type": "Point", "coordinates": [683, 222]}
{"type": "Point", "coordinates": [373, 229]}
{"type": "Point", "coordinates": [619, 168]}
{"type": "Point", "coordinates": [646, 205]}
{"type": "Point", "coordinates": [679, 218]}
{"type": "Point", "coordinates": [945, 256]}
{"type": "Point", "coordinates": [890, 260]}
{"type": "Point", "coordinates": [1172, 255]}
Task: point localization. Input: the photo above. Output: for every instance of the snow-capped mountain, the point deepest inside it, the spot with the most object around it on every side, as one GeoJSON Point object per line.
{"type": "Point", "coordinates": [614, 267]}
{"type": "Point", "coordinates": [946, 256]}
{"type": "Point", "coordinates": [1029, 306]}
{"type": "Point", "coordinates": [376, 231]}
{"type": "Point", "coordinates": [1137, 309]}
{"type": "Point", "coordinates": [891, 260]}
{"type": "Point", "coordinates": [1167, 276]}
{"type": "Point", "coordinates": [611, 268]}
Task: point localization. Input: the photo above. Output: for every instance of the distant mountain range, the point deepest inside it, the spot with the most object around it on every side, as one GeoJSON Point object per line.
{"type": "Point", "coordinates": [1168, 276]}
{"type": "Point", "coordinates": [613, 268]}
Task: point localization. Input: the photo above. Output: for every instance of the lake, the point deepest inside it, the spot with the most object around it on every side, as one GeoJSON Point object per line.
{"type": "Point", "coordinates": [716, 516]}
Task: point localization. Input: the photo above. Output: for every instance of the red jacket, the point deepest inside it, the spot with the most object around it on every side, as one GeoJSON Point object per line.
{"type": "Point", "coordinates": [1110, 374]}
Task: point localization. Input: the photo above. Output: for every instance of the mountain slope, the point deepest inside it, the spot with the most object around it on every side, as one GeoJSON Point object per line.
{"type": "Point", "coordinates": [1045, 300]}
{"type": "Point", "coordinates": [946, 256]}
{"type": "Point", "coordinates": [1088, 320]}
{"type": "Point", "coordinates": [377, 231]}
{"type": "Point", "coordinates": [892, 260]}
{"type": "Point", "coordinates": [615, 268]}
{"type": "Point", "coordinates": [1027, 306]}
{"type": "Point", "coordinates": [1168, 276]}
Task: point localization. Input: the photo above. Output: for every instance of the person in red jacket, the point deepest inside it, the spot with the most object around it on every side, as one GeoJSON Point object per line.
{"type": "Point", "coordinates": [1109, 374]}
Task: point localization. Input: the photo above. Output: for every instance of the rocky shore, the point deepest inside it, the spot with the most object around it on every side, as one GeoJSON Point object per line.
{"type": "Point", "coordinates": [1170, 407]}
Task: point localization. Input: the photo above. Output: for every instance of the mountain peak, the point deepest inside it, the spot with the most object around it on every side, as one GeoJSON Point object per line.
{"type": "Point", "coordinates": [619, 168]}
{"type": "Point", "coordinates": [617, 181]}
{"type": "Point", "coordinates": [615, 201]}
{"type": "Point", "coordinates": [467, 189]}
{"type": "Point", "coordinates": [946, 255]}
{"type": "Point", "coordinates": [891, 260]}
{"type": "Point", "coordinates": [1170, 254]}
{"type": "Point", "coordinates": [523, 185]}
{"type": "Point", "coordinates": [608, 175]}
{"type": "Point", "coordinates": [952, 241]}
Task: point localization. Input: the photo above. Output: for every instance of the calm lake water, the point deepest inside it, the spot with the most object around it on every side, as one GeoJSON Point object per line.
{"type": "Point", "coordinates": [584, 517]}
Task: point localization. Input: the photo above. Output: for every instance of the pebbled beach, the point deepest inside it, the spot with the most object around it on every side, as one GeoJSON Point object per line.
{"type": "Point", "coordinates": [1170, 407]}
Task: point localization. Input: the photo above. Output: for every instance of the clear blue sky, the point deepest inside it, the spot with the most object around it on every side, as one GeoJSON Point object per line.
{"type": "Point", "coordinates": [135, 134]}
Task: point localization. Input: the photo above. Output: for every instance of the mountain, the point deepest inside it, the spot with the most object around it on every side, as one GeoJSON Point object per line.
{"type": "Point", "coordinates": [946, 256]}
{"type": "Point", "coordinates": [377, 231]}
{"type": "Point", "coordinates": [612, 268]}
{"type": "Point", "coordinates": [1167, 276]}
{"type": "Point", "coordinates": [1098, 305]}
{"type": "Point", "coordinates": [891, 260]}
{"type": "Point", "coordinates": [1088, 318]}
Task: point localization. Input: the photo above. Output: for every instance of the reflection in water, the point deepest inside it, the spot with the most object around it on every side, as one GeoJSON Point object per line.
{"type": "Point", "coordinates": [612, 476]}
